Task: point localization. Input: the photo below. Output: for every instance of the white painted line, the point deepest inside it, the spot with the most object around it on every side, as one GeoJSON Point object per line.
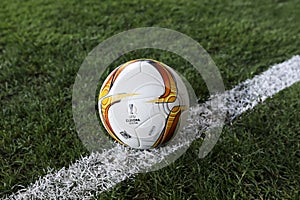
{"type": "Point", "coordinates": [98, 172]}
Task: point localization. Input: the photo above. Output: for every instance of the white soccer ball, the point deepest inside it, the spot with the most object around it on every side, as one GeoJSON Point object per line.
{"type": "Point", "coordinates": [143, 103]}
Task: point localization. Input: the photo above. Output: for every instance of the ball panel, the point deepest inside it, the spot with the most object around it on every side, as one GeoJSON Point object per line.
{"type": "Point", "coordinates": [126, 134]}
{"type": "Point", "coordinates": [134, 65]}
{"type": "Point", "coordinates": [140, 84]}
{"type": "Point", "coordinates": [147, 132]}
{"type": "Point", "coordinates": [104, 116]}
{"type": "Point", "coordinates": [169, 82]}
{"type": "Point", "coordinates": [171, 126]}
{"type": "Point", "coordinates": [148, 89]}
{"type": "Point", "coordinates": [127, 71]}
{"type": "Point", "coordinates": [107, 84]}
{"type": "Point", "coordinates": [181, 88]}
{"type": "Point", "coordinates": [148, 69]}
{"type": "Point", "coordinates": [148, 129]}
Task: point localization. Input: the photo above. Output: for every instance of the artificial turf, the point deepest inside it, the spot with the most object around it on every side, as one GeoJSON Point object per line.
{"type": "Point", "coordinates": [43, 43]}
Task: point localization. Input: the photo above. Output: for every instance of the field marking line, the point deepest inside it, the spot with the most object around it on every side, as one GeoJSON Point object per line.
{"type": "Point", "coordinates": [99, 172]}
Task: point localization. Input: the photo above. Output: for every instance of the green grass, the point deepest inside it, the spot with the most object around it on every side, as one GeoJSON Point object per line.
{"type": "Point", "coordinates": [43, 43]}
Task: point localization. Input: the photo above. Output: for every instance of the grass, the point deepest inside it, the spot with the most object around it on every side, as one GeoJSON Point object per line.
{"type": "Point", "coordinates": [43, 43]}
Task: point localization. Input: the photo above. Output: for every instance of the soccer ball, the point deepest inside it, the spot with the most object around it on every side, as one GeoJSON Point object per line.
{"type": "Point", "coordinates": [143, 103]}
